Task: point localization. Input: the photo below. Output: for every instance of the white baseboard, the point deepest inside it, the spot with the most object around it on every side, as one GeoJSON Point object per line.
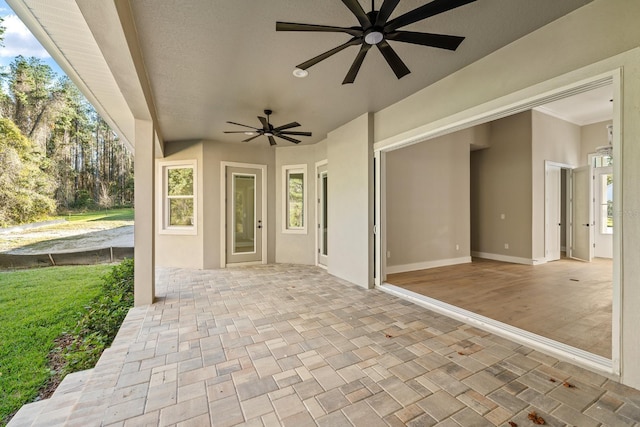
{"type": "Point", "coordinates": [506, 258]}
{"type": "Point", "coordinates": [392, 269]}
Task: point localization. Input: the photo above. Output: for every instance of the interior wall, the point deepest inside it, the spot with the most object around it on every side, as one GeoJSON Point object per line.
{"type": "Point", "coordinates": [501, 192]}
{"type": "Point", "coordinates": [350, 157]}
{"type": "Point", "coordinates": [553, 140]}
{"type": "Point", "coordinates": [296, 248]}
{"type": "Point", "coordinates": [173, 250]}
{"type": "Point", "coordinates": [592, 137]}
{"type": "Point", "coordinates": [428, 222]}
{"type": "Point", "coordinates": [213, 154]}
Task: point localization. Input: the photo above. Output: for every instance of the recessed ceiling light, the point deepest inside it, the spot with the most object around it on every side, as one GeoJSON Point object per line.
{"type": "Point", "coordinates": [268, 134]}
{"type": "Point", "coordinates": [249, 133]}
{"type": "Point", "coordinates": [300, 73]}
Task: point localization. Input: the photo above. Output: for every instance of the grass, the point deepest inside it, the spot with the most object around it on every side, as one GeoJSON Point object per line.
{"type": "Point", "coordinates": [122, 214]}
{"type": "Point", "coordinates": [36, 306]}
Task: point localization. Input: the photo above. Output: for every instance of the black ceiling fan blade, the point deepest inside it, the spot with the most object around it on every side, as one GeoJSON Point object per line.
{"type": "Point", "coordinates": [295, 141]}
{"type": "Point", "coordinates": [430, 9]}
{"type": "Point", "coordinates": [357, 63]}
{"type": "Point", "coordinates": [292, 26]}
{"type": "Point", "coordinates": [235, 131]}
{"type": "Point", "coordinates": [313, 61]}
{"type": "Point", "coordinates": [355, 8]}
{"type": "Point", "coordinates": [385, 12]}
{"type": "Point", "coordinates": [294, 133]}
{"type": "Point", "coordinates": [265, 123]}
{"type": "Point", "coordinates": [253, 137]}
{"type": "Point", "coordinates": [441, 41]}
{"type": "Point", "coordinates": [272, 141]}
{"type": "Point", "coordinates": [240, 124]}
{"type": "Point", "coordinates": [287, 126]}
{"type": "Point", "coordinates": [394, 61]}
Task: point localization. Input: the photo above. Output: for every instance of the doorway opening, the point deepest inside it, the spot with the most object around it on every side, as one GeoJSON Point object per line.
{"type": "Point", "coordinates": [322, 214]}
{"type": "Point", "coordinates": [500, 245]}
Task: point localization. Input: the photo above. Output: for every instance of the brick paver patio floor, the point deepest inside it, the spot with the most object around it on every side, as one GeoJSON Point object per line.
{"type": "Point", "coordinates": [291, 345]}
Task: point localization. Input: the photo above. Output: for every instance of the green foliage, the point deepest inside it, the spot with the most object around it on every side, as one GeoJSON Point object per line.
{"type": "Point", "coordinates": [2, 30]}
{"type": "Point", "coordinates": [25, 189]}
{"type": "Point", "coordinates": [36, 306]}
{"type": "Point", "coordinates": [98, 327]}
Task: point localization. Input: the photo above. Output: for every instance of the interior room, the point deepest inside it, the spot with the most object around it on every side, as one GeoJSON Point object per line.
{"type": "Point", "coordinates": [492, 220]}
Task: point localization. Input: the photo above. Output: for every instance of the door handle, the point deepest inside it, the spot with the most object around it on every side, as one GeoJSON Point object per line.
{"type": "Point", "coordinates": [586, 225]}
{"type": "Point", "coordinates": [259, 223]}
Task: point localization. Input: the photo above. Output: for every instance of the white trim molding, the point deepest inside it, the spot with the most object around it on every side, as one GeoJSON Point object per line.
{"type": "Point", "coordinates": [392, 269]}
{"type": "Point", "coordinates": [507, 258]}
{"type": "Point", "coordinates": [287, 170]}
{"type": "Point", "coordinates": [163, 200]}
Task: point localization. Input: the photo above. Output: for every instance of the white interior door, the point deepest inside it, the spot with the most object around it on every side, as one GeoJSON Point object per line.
{"type": "Point", "coordinates": [243, 215]}
{"type": "Point", "coordinates": [603, 213]}
{"type": "Point", "coordinates": [581, 213]}
{"type": "Point", "coordinates": [322, 217]}
{"type": "Point", "coordinates": [553, 219]}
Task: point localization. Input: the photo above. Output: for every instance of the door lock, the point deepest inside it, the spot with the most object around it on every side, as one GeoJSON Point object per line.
{"type": "Point", "coordinates": [259, 223]}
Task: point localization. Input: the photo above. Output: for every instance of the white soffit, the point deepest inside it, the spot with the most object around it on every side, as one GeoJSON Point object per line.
{"type": "Point", "coordinates": [62, 30]}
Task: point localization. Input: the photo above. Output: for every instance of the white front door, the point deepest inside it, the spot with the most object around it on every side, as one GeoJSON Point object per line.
{"type": "Point", "coordinates": [244, 222]}
{"type": "Point", "coordinates": [581, 214]}
{"type": "Point", "coordinates": [553, 220]}
{"type": "Point", "coordinates": [323, 213]}
{"type": "Point", "coordinates": [603, 213]}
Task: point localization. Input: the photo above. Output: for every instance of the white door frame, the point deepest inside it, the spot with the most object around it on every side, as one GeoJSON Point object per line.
{"type": "Point", "coordinates": [548, 165]}
{"type": "Point", "coordinates": [223, 210]}
{"type": "Point", "coordinates": [511, 104]}
{"type": "Point", "coordinates": [319, 164]}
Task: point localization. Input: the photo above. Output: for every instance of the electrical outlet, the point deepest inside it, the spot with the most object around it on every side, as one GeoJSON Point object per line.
{"type": "Point", "coordinates": [506, 246]}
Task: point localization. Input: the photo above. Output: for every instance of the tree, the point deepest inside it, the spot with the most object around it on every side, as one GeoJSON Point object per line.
{"type": "Point", "coordinates": [2, 30]}
{"type": "Point", "coordinates": [25, 189]}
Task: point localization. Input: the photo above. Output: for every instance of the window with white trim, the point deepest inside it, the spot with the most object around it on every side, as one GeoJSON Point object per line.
{"type": "Point", "coordinates": [294, 184]}
{"type": "Point", "coordinates": [179, 197]}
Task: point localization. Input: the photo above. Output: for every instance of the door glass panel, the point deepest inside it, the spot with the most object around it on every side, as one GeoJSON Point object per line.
{"type": "Point", "coordinates": [606, 203]}
{"type": "Point", "coordinates": [244, 226]}
{"type": "Point", "coordinates": [325, 216]}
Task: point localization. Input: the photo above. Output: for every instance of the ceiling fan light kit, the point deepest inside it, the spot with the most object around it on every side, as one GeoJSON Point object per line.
{"type": "Point", "coordinates": [270, 131]}
{"type": "Point", "coordinates": [376, 28]}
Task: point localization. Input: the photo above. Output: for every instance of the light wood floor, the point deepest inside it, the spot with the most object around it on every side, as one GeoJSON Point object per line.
{"type": "Point", "coordinates": [567, 301]}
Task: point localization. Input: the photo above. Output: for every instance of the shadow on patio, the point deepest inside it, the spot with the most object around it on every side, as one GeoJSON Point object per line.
{"type": "Point", "coordinates": [292, 345]}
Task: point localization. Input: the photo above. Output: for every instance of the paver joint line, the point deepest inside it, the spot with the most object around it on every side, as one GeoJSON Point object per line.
{"type": "Point", "coordinates": [292, 345]}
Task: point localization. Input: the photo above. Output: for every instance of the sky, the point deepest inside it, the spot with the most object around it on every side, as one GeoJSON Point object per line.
{"type": "Point", "coordinates": [18, 40]}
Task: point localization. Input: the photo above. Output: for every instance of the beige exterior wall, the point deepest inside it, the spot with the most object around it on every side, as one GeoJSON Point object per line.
{"type": "Point", "coordinates": [428, 203]}
{"type": "Point", "coordinates": [501, 185]}
{"type": "Point", "coordinates": [350, 156]}
{"type": "Point", "coordinates": [552, 140]}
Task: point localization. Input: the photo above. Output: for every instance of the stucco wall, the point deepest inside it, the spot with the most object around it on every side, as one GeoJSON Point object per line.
{"type": "Point", "coordinates": [350, 156]}
{"type": "Point", "coordinates": [428, 203]}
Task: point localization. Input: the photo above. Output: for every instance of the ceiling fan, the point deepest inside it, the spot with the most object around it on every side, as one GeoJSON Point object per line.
{"type": "Point", "coordinates": [376, 29]}
{"type": "Point", "coordinates": [269, 131]}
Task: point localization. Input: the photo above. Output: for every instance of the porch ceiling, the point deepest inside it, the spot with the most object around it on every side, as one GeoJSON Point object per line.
{"type": "Point", "coordinates": [209, 62]}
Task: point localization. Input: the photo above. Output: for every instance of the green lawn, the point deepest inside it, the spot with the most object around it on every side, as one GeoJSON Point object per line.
{"type": "Point", "coordinates": [123, 214]}
{"type": "Point", "coordinates": [36, 306]}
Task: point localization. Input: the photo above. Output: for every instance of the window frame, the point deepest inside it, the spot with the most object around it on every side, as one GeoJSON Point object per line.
{"type": "Point", "coordinates": [165, 200]}
{"type": "Point", "coordinates": [287, 171]}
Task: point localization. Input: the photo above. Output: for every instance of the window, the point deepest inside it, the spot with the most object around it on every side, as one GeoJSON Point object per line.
{"type": "Point", "coordinates": [179, 198]}
{"type": "Point", "coordinates": [606, 203]}
{"type": "Point", "coordinates": [294, 199]}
